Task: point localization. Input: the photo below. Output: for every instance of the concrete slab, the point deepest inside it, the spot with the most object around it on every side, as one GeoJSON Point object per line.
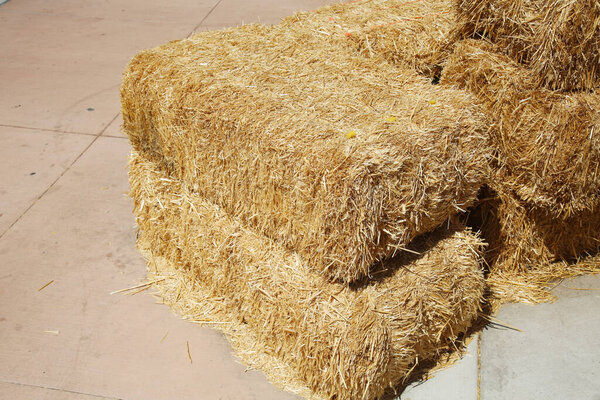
{"type": "Point", "coordinates": [63, 61]}
{"type": "Point", "coordinates": [72, 334]}
{"type": "Point", "coordinates": [458, 382]}
{"type": "Point", "coordinates": [557, 354]}
{"type": "Point", "coordinates": [114, 129]}
{"type": "Point", "coordinates": [30, 162]}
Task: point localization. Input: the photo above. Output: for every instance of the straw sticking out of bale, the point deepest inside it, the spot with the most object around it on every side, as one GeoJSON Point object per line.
{"type": "Point", "coordinates": [318, 338]}
{"type": "Point", "coordinates": [558, 39]}
{"type": "Point", "coordinates": [341, 158]}
{"type": "Point", "coordinates": [548, 143]}
{"type": "Point", "coordinates": [534, 284]}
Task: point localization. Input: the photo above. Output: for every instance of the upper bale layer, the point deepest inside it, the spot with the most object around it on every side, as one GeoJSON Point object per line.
{"type": "Point", "coordinates": [341, 158]}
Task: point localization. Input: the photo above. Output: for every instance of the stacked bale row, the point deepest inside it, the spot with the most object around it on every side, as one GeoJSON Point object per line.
{"type": "Point", "coordinates": [276, 173]}
{"type": "Point", "coordinates": [544, 202]}
{"type": "Point", "coordinates": [332, 340]}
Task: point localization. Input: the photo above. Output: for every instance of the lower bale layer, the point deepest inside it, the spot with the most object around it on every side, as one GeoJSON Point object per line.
{"type": "Point", "coordinates": [321, 339]}
{"type": "Point", "coordinates": [547, 143]}
{"type": "Point", "coordinates": [528, 248]}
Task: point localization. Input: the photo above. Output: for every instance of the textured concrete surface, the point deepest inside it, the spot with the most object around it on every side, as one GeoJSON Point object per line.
{"type": "Point", "coordinates": [459, 382]}
{"type": "Point", "coordinates": [556, 355]}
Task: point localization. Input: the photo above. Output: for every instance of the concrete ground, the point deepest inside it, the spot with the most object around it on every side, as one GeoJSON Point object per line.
{"type": "Point", "coordinates": [67, 234]}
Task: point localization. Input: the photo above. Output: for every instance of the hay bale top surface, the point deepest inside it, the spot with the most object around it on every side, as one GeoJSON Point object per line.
{"type": "Point", "coordinates": [548, 142]}
{"type": "Point", "coordinates": [343, 158]}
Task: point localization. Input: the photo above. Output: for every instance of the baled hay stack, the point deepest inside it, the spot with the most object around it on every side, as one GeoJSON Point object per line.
{"type": "Point", "coordinates": [544, 204]}
{"type": "Point", "coordinates": [558, 39]}
{"type": "Point", "coordinates": [341, 158]}
{"type": "Point", "coordinates": [548, 143]}
{"type": "Point", "coordinates": [323, 340]}
{"type": "Point", "coordinates": [412, 33]}
{"type": "Point", "coordinates": [524, 244]}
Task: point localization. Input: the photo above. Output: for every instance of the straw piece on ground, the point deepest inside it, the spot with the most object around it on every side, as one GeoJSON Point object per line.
{"type": "Point", "coordinates": [320, 339]}
{"type": "Point", "coordinates": [558, 39]}
{"type": "Point", "coordinates": [548, 143]}
{"type": "Point", "coordinates": [341, 158]}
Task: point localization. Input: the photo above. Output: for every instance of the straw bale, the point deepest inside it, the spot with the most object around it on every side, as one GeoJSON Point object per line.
{"type": "Point", "coordinates": [529, 249]}
{"type": "Point", "coordinates": [520, 236]}
{"type": "Point", "coordinates": [548, 143]}
{"type": "Point", "coordinates": [558, 39]}
{"type": "Point", "coordinates": [341, 158]}
{"type": "Point", "coordinates": [321, 339]}
{"type": "Point", "coordinates": [414, 33]}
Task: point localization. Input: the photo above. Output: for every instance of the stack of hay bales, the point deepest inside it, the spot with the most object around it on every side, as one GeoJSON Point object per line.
{"type": "Point", "coordinates": [303, 186]}
{"type": "Point", "coordinates": [303, 198]}
{"type": "Point", "coordinates": [534, 71]}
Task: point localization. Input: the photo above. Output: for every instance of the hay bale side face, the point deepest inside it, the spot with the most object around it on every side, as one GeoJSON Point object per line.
{"type": "Point", "coordinates": [559, 40]}
{"type": "Point", "coordinates": [521, 237]}
{"type": "Point", "coordinates": [547, 142]}
{"type": "Point", "coordinates": [337, 341]}
{"type": "Point", "coordinates": [342, 158]}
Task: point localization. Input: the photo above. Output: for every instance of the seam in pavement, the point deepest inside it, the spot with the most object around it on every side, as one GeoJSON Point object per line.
{"type": "Point", "coordinates": [60, 176]}
{"type": "Point", "coordinates": [204, 19]}
{"type": "Point", "coordinates": [50, 130]}
{"type": "Point", "coordinates": [479, 366]}
{"type": "Point", "coordinates": [61, 390]}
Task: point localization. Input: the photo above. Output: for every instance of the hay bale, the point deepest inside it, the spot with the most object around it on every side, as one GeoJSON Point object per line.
{"type": "Point", "coordinates": [521, 237]}
{"type": "Point", "coordinates": [559, 39]}
{"type": "Point", "coordinates": [529, 249]}
{"type": "Point", "coordinates": [547, 142]}
{"type": "Point", "coordinates": [323, 340]}
{"type": "Point", "coordinates": [416, 34]}
{"type": "Point", "coordinates": [341, 158]}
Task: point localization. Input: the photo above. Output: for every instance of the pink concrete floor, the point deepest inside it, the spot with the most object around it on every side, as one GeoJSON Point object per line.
{"type": "Point", "coordinates": [65, 218]}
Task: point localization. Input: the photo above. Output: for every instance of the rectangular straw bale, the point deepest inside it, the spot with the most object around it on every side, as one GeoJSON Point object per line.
{"type": "Point", "coordinates": [558, 39]}
{"type": "Point", "coordinates": [548, 143]}
{"type": "Point", "coordinates": [414, 33]}
{"type": "Point", "coordinates": [303, 331]}
{"type": "Point", "coordinates": [341, 158]}
{"type": "Point", "coordinates": [528, 248]}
